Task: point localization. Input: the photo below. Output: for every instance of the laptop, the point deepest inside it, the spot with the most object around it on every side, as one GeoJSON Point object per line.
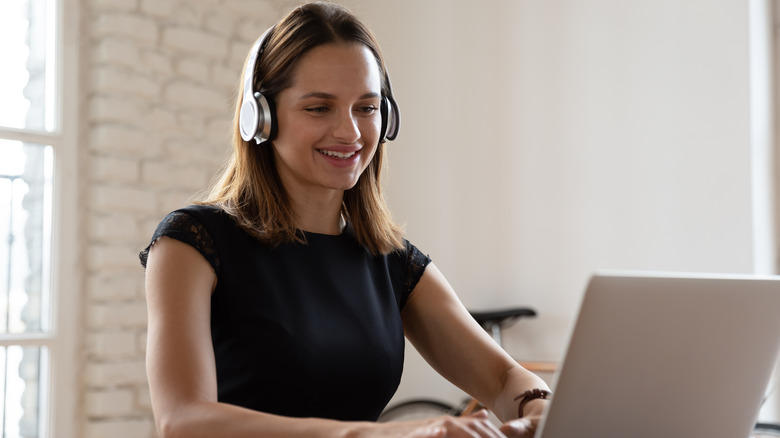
{"type": "Point", "coordinates": [667, 355]}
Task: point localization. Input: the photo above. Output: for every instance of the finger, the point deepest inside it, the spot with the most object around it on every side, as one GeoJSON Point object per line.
{"type": "Point", "coordinates": [489, 430]}
{"type": "Point", "coordinates": [477, 425]}
{"type": "Point", "coordinates": [522, 428]}
{"type": "Point", "coordinates": [482, 413]}
{"type": "Point", "coordinates": [429, 432]}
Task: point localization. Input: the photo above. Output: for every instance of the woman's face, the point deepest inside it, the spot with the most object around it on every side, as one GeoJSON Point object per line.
{"type": "Point", "coordinates": [328, 119]}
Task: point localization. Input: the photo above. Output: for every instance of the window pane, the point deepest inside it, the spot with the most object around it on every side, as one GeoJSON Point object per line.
{"type": "Point", "coordinates": [23, 387]}
{"type": "Point", "coordinates": [27, 75]}
{"type": "Point", "coordinates": [25, 240]}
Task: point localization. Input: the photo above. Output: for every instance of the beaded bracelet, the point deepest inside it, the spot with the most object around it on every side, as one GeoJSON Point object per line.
{"type": "Point", "coordinates": [529, 395]}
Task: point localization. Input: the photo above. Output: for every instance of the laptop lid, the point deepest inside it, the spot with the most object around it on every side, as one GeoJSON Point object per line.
{"type": "Point", "coordinates": [671, 355]}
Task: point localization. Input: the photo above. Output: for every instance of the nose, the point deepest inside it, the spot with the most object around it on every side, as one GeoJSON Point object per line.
{"type": "Point", "coordinates": [346, 128]}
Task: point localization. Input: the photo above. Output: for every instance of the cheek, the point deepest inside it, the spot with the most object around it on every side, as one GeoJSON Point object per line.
{"type": "Point", "coordinates": [371, 137]}
{"type": "Point", "coordinates": [294, 135]}
{"type": "Point", "coordinates": [370, 129]}
{"type": "Point", "coordinates": [370, 155]}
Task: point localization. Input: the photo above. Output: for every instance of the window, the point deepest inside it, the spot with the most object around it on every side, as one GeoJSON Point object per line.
{"type": "Point", "coordinates": [31, 135]}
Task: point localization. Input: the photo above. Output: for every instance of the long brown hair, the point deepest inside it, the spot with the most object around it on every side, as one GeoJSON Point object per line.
{"type": "Point", "coordinates": [249, 187]}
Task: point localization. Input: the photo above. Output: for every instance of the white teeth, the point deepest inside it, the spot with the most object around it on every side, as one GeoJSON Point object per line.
{"type": "Point", "coordinates": [336, 154]}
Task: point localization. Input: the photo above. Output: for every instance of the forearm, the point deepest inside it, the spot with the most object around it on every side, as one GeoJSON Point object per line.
{"type": "Point", "coordinates": [210, 419]}
{"type": "Point", "coordinates": [517, 380]}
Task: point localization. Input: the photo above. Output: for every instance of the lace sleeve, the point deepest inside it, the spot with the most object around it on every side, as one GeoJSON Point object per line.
{"type": "Point", "coordinates": [416, 262]}
{"type": "Point", "coordinates": [186, 228]}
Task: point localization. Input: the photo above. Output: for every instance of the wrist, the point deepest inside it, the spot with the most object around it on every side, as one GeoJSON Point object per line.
{"type": "Point", "coordinates": [531, 401]}
{"type": "Point", "coordinates": [534, 408]}
{"type": "Point", "coordinates": [359, 429]}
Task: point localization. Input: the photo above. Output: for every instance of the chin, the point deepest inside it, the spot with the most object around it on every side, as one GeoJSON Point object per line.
{"type": "Point", "coordinates": [348, 187]}
{"type": "Point", "coordinates": [347, 184]}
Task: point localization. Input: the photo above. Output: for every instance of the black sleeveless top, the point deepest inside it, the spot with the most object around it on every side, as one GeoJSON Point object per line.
{"type": "Point", "coordinates": [302, 330]}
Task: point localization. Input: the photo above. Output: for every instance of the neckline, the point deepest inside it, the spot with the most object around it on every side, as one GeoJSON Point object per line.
{"type": "Point", "coordinates": [343, 224]}
{"type": "Point", "coordinates": [346, 229]}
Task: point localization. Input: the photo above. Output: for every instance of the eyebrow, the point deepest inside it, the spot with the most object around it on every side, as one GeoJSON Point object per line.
{"type": "Point", "coordinates": [322, 95]}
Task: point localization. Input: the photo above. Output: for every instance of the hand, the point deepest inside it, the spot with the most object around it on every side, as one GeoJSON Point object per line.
{"type": "Point", "coordinates": [525, 427]}
{"type": "Point", "coordinates": [520, 428]}
{"type": "Point", "coordinates": [476, 425]}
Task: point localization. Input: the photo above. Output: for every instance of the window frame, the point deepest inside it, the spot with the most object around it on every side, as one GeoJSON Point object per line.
{"type": "Point", "coordinates": [62, 377]}
{"type": "Point", "coordinates": [67, 241]}
{"type": "Point", "coordinates": [764, 102]}
{"type": "Point", "coordinates": [764, 40]}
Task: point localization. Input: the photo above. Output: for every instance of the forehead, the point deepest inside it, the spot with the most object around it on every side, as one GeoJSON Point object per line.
{"type": "Point", "coordinates": [336, 67]}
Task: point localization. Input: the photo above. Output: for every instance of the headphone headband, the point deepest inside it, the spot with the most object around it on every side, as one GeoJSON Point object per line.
{"type": "Point", "coordinates": [255, 54]}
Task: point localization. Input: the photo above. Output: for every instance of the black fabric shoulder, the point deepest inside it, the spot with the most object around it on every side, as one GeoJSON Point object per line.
{"type": "Point", "coordinates": [416, 262]}
{"type": "Point", "coordinates": [183, 226]}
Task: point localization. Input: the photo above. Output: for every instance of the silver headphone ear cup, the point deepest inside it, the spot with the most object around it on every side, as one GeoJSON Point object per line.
{"type": "Point", "coordinates": [265, 119]}
{"type": "Point", "coordinates": [248, 119]}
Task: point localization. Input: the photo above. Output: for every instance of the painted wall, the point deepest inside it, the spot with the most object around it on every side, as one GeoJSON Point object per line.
{"type": "Point", "coordinates": [542, 141]}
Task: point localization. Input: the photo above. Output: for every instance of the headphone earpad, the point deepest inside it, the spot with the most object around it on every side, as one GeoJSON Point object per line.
{"type": "Point", "coordinates": [383, 110]}
{"type": "Point", "coordinates": [266, 119]}
{"type": "Point", "coordinates": [391, 118]}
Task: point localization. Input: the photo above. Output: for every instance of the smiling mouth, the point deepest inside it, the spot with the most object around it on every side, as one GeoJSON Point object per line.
{"type": "Point", "coordinates": [336, 154]}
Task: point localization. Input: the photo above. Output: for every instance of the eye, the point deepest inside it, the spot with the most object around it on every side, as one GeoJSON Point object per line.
{"type": "Point", "coordinates": [317, 109]}
{"type": "Point", "coordinates": [368, 109]}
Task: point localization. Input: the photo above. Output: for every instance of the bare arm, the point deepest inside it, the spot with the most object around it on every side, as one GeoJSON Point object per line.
{"type": "Point", "coordinates": [446, 335]}
{"type": "Point", "coordinates": [182, 373]}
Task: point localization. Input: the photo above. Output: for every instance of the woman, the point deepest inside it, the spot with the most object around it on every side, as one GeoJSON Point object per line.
{"type": "Point", "coordinates": [278, 306]}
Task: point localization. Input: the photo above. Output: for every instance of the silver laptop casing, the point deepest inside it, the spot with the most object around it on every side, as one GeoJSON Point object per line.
{"type": "Point", "coordinates": [667, 355]}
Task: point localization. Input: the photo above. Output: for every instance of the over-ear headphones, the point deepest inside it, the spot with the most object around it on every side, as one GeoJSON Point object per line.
{"type": "Point", "coordinates": [257, 117]}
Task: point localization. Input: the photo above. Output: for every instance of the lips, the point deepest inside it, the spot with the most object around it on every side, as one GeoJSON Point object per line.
{"type": "Point", "coordinates": [341, 156]}
{"type": "Point", "coordinates": [336, 154]}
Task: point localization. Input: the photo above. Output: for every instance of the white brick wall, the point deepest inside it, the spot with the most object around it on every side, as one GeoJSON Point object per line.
{"type": "Point", "coordinates": [160, 78]}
